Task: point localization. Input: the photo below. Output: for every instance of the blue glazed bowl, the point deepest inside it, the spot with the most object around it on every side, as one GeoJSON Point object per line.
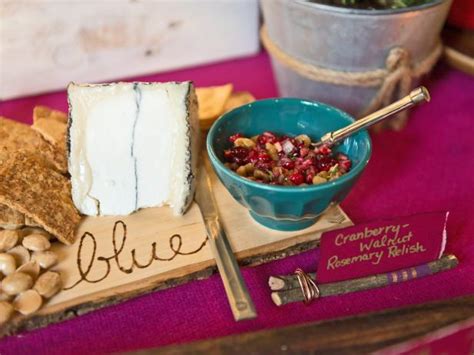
{"type": "Point", "coordinates": [286, 208]}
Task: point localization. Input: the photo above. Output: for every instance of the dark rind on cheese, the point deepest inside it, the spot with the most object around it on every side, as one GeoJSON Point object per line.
{"type": "Point", "coordinates": [192, 126]}
{"type": "Point", "coordinates": [138, 94]}
{"type": "Point", "coordinates": [69, 124]}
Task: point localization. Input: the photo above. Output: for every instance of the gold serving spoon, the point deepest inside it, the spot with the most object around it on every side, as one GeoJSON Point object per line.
{"type": "Point", "coordinates": [416, 96]}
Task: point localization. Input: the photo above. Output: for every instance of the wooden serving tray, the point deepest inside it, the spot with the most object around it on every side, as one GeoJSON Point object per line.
{"type": "Point", "coordinates": [117, 258]}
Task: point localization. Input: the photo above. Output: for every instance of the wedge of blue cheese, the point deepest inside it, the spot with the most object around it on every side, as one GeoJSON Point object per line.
{"type": "Point", "coordinates": [131, 146]}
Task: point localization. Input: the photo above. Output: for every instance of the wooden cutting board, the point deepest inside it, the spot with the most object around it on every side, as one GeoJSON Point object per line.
{"type": "Point", "coordinates": [117, 258]}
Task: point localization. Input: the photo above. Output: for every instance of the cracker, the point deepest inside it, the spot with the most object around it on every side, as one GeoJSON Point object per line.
{"type": "Point", "coordinates": [15, 136]}
{"type": "Point", "coordinates": [4, 153]}
{"type": "Point", "coordinates": [51, 125]}
{"type": "Point", "coordinates": [33, 188]}
{"type": "Point", "coordinates": [212, 100]}
{"type": "Point", "coordinates": [205, 124]}
{"type": "Point", "coordinates": [44, 112]}
{"type": "Point", "coordinates": [238, 99]}
{"type": "Point", "coordinates": [30, 222]}
{"type": "Point", "coordinates": [11, 219]}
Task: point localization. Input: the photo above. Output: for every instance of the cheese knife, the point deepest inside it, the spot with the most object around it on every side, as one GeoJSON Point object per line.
{"type": "Point", "coordinates": [235, 288]}
{"type": "Point", "coordinates": [415, 97]}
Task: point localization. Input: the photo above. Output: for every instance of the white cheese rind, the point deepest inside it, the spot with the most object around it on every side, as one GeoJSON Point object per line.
{"type": "Point", "coordinates": [132, 145]}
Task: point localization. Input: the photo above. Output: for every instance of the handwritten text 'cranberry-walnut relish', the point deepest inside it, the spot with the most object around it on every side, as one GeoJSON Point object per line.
{"type": "Point", "coordinates": [283, 160]}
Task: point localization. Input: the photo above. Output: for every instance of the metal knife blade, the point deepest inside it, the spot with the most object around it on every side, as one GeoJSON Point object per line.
{"type": "Point", "coordinates": [235, 288]}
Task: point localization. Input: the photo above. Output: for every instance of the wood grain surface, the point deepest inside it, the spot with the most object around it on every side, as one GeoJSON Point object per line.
{"type": "Point", "coordinates": [89, 41]}
{"type": "Point", "coordinates": [118, 258]}
{"type": "Point", "coordinates": [354, 335]}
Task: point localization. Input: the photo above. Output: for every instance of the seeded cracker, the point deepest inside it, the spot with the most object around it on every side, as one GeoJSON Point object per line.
{"type": "Point", "coordinates": [15, 136]}
{"type": "Point", "coordinates": [44, 112]}
{"type": "Point", "coordinates": [29, 186]}
{"type": "Point", "coordinates": [212, 99]}
{"type": "Point", "coordinates": [235, 100]}
{"type": "Point", "coordinates": [30, 222]}
{"type": "Point", "coordinates": [238, 99]}
{"type": "Point", "coordinates": [11, 219]}
{"type": "Point", "coordinates": [52, 126]}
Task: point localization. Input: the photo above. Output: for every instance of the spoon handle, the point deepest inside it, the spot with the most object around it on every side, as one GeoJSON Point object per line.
{"type": "Point", "coordinates": [416, 96]}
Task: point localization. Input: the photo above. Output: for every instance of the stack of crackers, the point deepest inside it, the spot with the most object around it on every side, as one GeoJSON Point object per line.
{"type": "Point", "coordinates": [216, 100]}
{"type": "Point", "coordinates": [34, 187]}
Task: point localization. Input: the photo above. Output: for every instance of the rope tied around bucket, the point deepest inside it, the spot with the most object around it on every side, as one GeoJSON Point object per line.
{"type": "Point", "coordinates": [394, 81]}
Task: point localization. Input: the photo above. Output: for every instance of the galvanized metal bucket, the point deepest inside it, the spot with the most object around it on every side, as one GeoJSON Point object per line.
{"type": "Point", "coordinates": [346, 40]}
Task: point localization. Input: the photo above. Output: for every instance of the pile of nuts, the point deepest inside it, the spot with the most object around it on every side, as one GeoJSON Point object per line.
{"type": "Point", "coordinates": [26, 281]}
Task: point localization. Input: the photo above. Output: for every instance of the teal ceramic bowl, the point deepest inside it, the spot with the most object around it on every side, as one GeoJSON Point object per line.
{"type": "Point", "coordinates": [286, 208]}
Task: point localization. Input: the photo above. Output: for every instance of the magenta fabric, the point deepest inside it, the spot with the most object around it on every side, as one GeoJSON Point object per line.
{"type": "Point", "coordinates": [429, 166]}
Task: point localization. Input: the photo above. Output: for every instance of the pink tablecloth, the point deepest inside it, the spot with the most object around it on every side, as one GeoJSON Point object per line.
{"type": "Point", "coordinates": [427, 167]}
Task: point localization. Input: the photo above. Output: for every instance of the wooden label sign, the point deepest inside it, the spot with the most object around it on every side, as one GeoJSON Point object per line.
{"type": "Point", "coordinates": [382, 246]}
{"type": "Point", "coordinates": [112, 252]}
{"type": "Point", "coordinates": [116, 258]}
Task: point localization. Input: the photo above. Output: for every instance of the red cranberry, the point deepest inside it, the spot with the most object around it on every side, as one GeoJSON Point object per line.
{"type": "Point", "coordinates": [234, 137]}
{"type": "Point", "coordinates": [306, 164]}
{"type": "Point", "coordinates": [310, 174]}
{"type": "Point", "coordinates": [345, 165]}
{"type": "Point", "coordinates": [325, 150]}
{"type": "Point", "coordinates": [324, 166]}
{"type": "Point", "coordinates": [319, 157]}
{"type": "Point", "coordinates": [326, 163]}
{"type": "Point", "coordinates": [297, 178]}
{"type": "Point", "coordinates": [304, 152]}
{"type": "Point", "coordinates": [228, 155]}
{"type": "Point", "coordinates": [253, 156]}
{"type": "Point", "coordinates": [287, 163]}
{"type": "Point", "coordinates": [299, 144]}
{"type": "Point", "coordinates": [240, 155]}
{"type": "Point", "coordinates": [264, 157]}
{"type": "Point", "coordinates": [271, 137]}
{"type": "Point", "coordinates": [263, 165]}
{"type": "Point", "coordinates": [266, 137]}
{"type": "Point", "coordinates": [341, 156]}
{"type": "Point", "coordinates": [261, 140]}
{"type": "Point", "coordinates": [311, 170]}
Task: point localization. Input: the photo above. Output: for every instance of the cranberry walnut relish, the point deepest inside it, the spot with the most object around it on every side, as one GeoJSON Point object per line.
{"type": "Point", "coordinates": [283, 160]}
